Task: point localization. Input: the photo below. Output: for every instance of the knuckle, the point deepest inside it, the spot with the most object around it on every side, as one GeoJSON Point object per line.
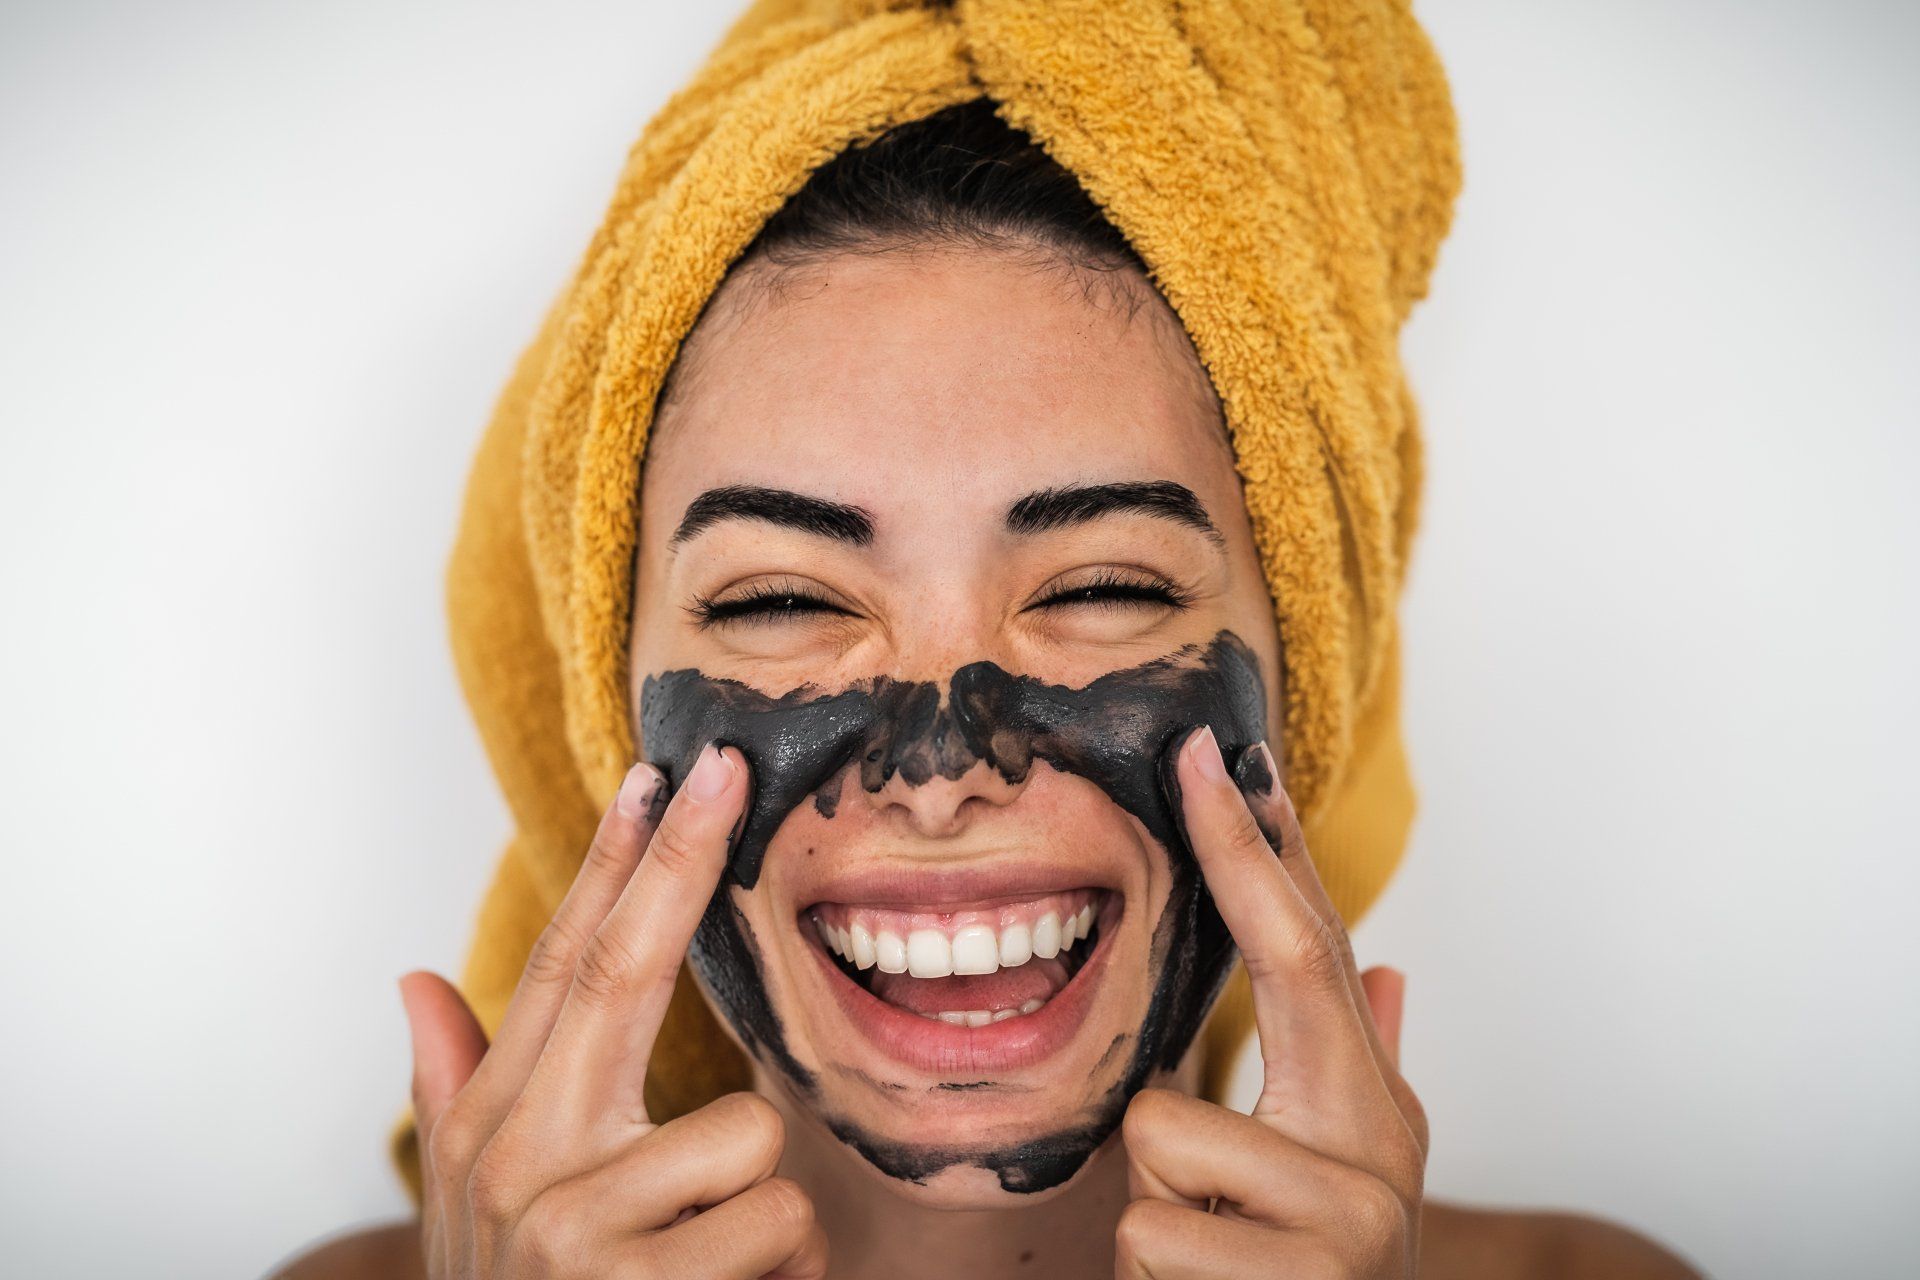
{"type": "Point", "coordinates": [450, 1143]}
{"type": "Point", "coordinates": [492, 1193]}
{"type": "Point", "coordinates": [1245, 839]}
{"type": "Point", "coordinates": [758, 1122]}
{"type": "Point", "coordinates": [1140, 1222]}
{"type": "Point", "coordinates": [1342, 943]}
{"type": "Point", "coordinates": [548, 1238]}
{"type": "Point", "coordinates": [675, 851]}
{"type": "Point", "coordinates": [606, 973]}
{"type": "Point", "coordinates": [1316, 953]}
{"type": "Point", "coordinates": [607, 855]}
{"type": "Point", "coordinates": [1146, 1114]}
{"type": "Point", "coordinates": [1415, 1113]}
{"type": "Point", "coordinates": [1289, 841]}
{"type": "Point", "coordinates": [1376, 1216]}
{"type": "Point", "coordinates": [788, 1208]}
{"type": "Point", "coordinates": [1404, 1166]}
{"type": "Point", "coordinates": [1337, 936]}
{"type": "Point", "coordinates": [551, 960]}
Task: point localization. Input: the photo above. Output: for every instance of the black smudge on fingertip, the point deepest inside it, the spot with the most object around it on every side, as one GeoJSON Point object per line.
{"type": "Point", "coordinates": [654, 806]}
{"type": "Point", "coordinates": [1258, 779]}
{"type": "Point", "coordinates": [1254, 771]}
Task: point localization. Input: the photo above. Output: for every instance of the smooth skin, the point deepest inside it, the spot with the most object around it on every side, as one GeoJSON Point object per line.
{"type": "Point", "coordinates": [538, 1154]}
{"type": "Point", "coordinates": [540, 1159]}
{"type": "Point", "coordinates": [1324, 1177]}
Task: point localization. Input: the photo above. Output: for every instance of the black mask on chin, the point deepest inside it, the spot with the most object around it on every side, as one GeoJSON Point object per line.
{"type": "Point", "coordinates": [1120, 732]}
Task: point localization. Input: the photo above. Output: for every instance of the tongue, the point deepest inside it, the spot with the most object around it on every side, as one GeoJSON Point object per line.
{"type": "Point", "coordinates": [1037, 979]}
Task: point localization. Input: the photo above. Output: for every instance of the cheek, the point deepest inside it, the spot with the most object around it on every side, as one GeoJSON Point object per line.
{"type": "Point", "coordinates": [1253, 617]}
{"type": "Point", "coordinates": [729, 957]}
{"type": "Point", "coordinates": [1116, 732]}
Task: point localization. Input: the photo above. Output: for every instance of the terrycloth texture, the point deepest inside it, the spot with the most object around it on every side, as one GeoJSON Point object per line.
{"type": "Point", "coordinates": [1287, 169]}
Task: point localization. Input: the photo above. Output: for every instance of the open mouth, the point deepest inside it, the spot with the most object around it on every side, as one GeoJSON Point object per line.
{"type": "Point", "coordinates": [1002, 981]}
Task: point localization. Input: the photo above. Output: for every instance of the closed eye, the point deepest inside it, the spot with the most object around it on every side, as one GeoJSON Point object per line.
{"type": "Point", "coordinates": [761, 605]}
{"type": "Point", "coordinates": [1111, 589]}
{"type": "Point", "coordinates": [771, 603]}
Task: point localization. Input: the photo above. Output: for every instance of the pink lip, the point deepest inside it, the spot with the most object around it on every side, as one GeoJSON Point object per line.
{"type": "Point", "coordinates": [957, 1052]}
{"type": "Point", "coordinates": [922, 888]}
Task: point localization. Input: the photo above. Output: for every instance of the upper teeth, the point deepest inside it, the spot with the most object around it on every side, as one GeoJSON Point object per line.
{"type": "Point", "coordinates": [970, 949]}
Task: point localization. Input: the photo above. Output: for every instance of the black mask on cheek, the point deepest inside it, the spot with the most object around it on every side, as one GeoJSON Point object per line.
{"type": "Point", "coordinates": [1121, 732]}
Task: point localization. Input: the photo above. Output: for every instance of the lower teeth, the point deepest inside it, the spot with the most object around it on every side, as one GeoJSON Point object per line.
{"type": "Point", "coordinates": [981, 1017]}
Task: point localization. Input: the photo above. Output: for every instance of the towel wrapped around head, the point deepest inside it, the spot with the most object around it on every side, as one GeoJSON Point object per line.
{"type": "Point", "coordinates": [1285, 168]}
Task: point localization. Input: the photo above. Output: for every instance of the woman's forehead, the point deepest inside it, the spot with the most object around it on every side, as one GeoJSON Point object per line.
{"type": "Point", "coordinates": [938, 386]}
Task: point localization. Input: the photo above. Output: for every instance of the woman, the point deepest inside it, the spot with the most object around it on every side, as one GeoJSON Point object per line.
{"type": "Point", "coordinates": [979, 552]}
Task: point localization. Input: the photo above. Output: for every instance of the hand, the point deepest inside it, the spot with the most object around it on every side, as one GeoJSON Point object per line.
{"type": "Point", "coordinates": [1325, 1177]}
{"type": "Point", "coordinates": [538, 1156]}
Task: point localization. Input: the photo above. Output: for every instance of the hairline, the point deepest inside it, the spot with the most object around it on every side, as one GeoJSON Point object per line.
{"type": "Point", "coordinates": [764, 277]}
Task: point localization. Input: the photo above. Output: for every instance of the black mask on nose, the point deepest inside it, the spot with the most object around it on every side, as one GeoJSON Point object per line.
{"type": "Point", "coordinates": [1120, 732]}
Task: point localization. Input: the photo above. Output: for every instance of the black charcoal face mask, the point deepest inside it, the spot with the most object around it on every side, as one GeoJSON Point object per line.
{"type": "Point", "coordinates": [1122, 732]}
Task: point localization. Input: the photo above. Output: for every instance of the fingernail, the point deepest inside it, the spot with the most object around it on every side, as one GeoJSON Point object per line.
{"type": "Point", "coordinates": [1256, 771]}
{"type": "Point", "coordinates": [637, 789]}
{"type": "Point", "coordinates": [1204, 749]}
{"type": "Point", "coordinates": [710, 776]}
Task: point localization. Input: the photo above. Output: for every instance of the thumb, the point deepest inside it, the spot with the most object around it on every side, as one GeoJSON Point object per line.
{"type": "Point", "coordinates": [1386, 990]}
{"type": "Point", "coordinates": [448, 1043]}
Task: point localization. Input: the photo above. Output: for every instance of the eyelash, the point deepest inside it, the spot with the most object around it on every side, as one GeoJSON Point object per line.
{"type": "Point", "coordinates": [759, 606]}
{"type": "Point", "coordinates": [768, 603]}
{"type": "Point", "coordinates": [1109, 589]}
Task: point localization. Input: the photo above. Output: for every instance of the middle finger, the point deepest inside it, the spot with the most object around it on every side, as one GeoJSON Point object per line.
{"type": "Point", "coordinates": [1319, 1067]}
{"type": "Point", "coordinates": [593, 1070]}
{"type": "Point", "coordinates": [625, 828]}
{"type": "Point", "coordinates": [1273, 809]}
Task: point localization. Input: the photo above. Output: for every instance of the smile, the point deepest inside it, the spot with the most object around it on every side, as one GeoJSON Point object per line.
{"type": "Point", "coordinates": [977, 987]}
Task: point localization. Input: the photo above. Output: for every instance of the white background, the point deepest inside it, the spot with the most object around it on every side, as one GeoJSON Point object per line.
{"type": "Point", "coordinates": [266, 265]}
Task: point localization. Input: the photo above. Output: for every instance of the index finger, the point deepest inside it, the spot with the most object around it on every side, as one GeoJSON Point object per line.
{"type": "Point", "coordinates": [621, 837]}
{"type": "Point", "coordinates": [594, 1065]}
{"type": "Point", "coordinates": [1273, 809]}
{"type": "Point", "coordinates": [1312, 1040]}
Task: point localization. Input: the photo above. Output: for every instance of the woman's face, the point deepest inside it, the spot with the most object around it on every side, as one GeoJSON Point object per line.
{"type": "Point", "coordinates": [841, 493]}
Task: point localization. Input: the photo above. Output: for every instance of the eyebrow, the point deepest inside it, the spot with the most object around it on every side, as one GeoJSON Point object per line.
{"type": "Point", "coordinates": [1076, 504]}
{"type": "Point", "coordinates": [781, 507]}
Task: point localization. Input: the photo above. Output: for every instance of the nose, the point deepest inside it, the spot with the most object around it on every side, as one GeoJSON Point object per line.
{"type": "Point", "coordinates": [922, 770]}
{"type": "Point", "coordinates": [938, 807]}
{"type": "Point", "coordinates": [919, 772]}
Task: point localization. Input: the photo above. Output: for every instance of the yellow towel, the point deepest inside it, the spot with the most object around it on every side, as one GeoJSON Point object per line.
{"type": "Point", "coordinates": [1287, 169]}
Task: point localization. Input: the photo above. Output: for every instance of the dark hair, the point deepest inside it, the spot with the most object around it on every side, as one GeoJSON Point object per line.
{"type": "Point", "coordinates": [961, 175]}
{"type": "Point", "coordinates": [959, 178]}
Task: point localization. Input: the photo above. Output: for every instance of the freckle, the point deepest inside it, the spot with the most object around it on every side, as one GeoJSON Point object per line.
{"type": "Point", "coordinates": [1026, 1255]}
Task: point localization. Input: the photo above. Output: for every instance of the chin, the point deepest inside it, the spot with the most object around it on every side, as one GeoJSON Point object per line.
{"type": "Point", "coordinates": [968, 1028]}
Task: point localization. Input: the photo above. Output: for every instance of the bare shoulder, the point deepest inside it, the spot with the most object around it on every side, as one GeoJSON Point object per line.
{"type": "Point", "coordinates": [1489, 1244]}
{"type": "Point", "coordinates": [388, 1252]}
